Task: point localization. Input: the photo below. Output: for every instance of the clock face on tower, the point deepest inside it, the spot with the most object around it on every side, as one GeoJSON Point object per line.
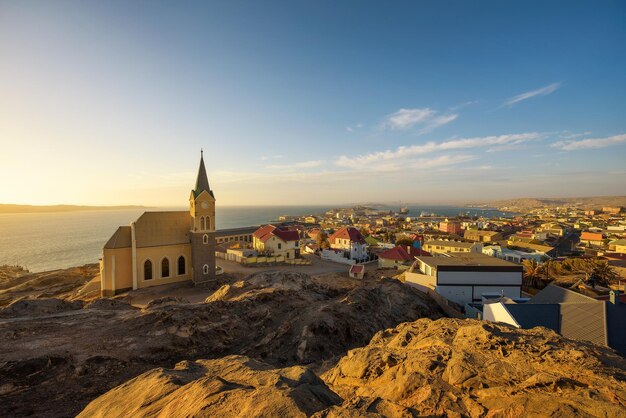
{"type": "Point", "coordinates": [204, 205]}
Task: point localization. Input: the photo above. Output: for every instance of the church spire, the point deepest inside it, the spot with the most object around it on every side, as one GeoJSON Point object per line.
{"type": "Point", "coordinates": [202, 182]}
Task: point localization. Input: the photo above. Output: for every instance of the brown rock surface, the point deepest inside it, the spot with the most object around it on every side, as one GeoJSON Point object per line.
{"type": "Point", "coordinates": [16, 284]}
{"type": "Point", "coordinates": [455, 368]}
{"type": "Point", "coordinates": [54, 364]}
{"type": "Point", "coordinates": [232, 386]}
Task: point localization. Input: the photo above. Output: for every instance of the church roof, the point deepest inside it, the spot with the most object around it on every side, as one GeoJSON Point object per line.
{"type": "Point", "coordinates": [162, 228]}
{"type": "Point", "coordinates": [120, 239]}
{"type": "Point", "coordinates": [202, 181]}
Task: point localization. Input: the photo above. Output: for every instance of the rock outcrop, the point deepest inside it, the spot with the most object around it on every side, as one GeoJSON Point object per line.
{"type": "Point", "coordinates": [229, 386]}
{"type": "Point", "coordinates": [455, 368]}
{"type": "Point", "coordinates": [280, 318]}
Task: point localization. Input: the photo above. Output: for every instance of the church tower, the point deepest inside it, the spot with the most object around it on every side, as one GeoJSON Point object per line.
{"type": "Point", "coordinates": [202, 209]}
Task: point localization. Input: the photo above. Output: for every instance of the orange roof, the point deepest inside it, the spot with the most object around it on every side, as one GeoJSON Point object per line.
{"type": "Point", "coordinates": [347, 232]}
{"type": "Point", "coordinates": [591, 236]}
{"type": "Point", "coordinates": [266, 232]}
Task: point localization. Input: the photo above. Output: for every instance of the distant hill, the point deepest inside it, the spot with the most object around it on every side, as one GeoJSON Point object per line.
{"type": "Point", "coordinates": [596, 202]}
{"type": "Point", "coordinates": [10, 208]}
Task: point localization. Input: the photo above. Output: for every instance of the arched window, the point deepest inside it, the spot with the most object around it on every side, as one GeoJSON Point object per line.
{"type": "Point", "coordinates": [165, 267]}
{"type": "Point", "coordinates": [205, 239]}
{"type": "Point", "coordinates": [181, 265]}
{"type": "Point", "coordinates": [147, 270]}
{"type": "Point", "coordinates": [202, 223]}
{"type": "Point", "coordinates": [205, 269]}
{"type": "Point", "coordinates": [208, 223]}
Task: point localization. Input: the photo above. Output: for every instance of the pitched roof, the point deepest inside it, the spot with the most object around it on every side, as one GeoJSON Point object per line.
{"type": "Point", "coordinates": [120, 238]}
{"type": "Point", "coordinates": [584, 321]}
{"type": "Point", "coordinates": [162, 228]}
{"type": "Point", "coordinates": [268, 231]}
{"type": "Point", "coordinates": [202, 181]}
{"type": "Point", "coordinates": [400, 253]}
{"type": "Point", "coordinates": [347, 232]}
{"type": "Point", "coordinates": [556, 294]}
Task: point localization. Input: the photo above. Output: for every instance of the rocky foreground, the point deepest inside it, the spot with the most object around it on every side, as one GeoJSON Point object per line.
{"type": "Point", "coordinates": [447, 367]}
{"type": "Point", "coordinates": [57, 355]}
{"type": "Point", "coordinates": [286, 344]}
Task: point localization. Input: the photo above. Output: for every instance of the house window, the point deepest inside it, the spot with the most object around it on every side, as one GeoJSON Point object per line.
{"type": "Point", "coordinates": [279, 245]}
{"type": "Point", "coordinates": [205, 269]}
{"type": "Point", "coordinates": [147, 270]}
{"type": "Point", "coordinates": [205, 239]}
{"type": "Point", "coordinates": [202, 223]}
{"type": "Point", "coordinates": [165, 267]}
{"type": "Point", "coordinates": [287, 255]}
{"type": "Point", "coordinates": [181, 265]}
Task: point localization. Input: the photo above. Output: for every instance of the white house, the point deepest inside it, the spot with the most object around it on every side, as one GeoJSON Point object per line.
{"type": "Point", "coordinates": [351, 242]}
{"type": "Point", "coordinates": [464, 277]}
{"type": "Point", "coordinates": [514, 256]}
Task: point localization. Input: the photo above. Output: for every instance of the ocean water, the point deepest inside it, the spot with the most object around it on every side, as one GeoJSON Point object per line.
{"type": "Point", "coordinates": [48, 241]}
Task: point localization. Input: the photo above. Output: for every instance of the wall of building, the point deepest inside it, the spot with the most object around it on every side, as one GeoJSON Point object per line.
{"type": "Point", "coordinates": [156, 254]}
{"type": "Point", "coordinates": [116, 270]}
{"type": "Point", "coordinates": [277, 247]}
{"type": "Point", "coordinates": [497, 312]}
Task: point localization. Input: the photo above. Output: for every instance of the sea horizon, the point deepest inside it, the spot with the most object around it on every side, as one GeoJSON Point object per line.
{"type": "Point", "coordinates": [45, 241]}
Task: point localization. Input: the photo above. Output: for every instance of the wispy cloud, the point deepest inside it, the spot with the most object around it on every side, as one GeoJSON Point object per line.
{"type": "Point", "coordinates": [426, 119]}
{"type": "Point", "coordinates": [299, 165]}
{"type": "Point", "coordinates": [353, 128]}
{"type": "Point", "coordinates": [271, 157]}
{"type": "Point", "coordinates": [590, 143]}
{"type": "Point", "coordinates": [429, 147]}
{"type": "Point", "coordinates": [570, 135]}
{"type": "Point", "coordinates": [543, 91]}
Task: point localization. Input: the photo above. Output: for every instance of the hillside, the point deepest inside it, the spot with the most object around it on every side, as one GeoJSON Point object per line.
{"type": "Point", "coordinates": [530, 203]}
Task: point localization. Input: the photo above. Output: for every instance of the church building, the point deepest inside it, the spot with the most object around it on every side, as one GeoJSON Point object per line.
{"type": "Point", "coordinates": [163, 247]}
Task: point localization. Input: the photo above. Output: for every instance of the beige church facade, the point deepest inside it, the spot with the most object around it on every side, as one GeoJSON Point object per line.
{"type": "Point", "coordinates": [163, 247]}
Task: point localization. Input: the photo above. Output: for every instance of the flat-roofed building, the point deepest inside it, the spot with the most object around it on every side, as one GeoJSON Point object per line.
{"type": "Point", "coordinates": [463, 277]}
{"type": "Point", "coordinates": [441, 246]}
{"type": "Point", "coordinates": [243, 234]}
{"type": "Point", "coordinates": [451, 227]}
{"type": "Point", "coordinates": [478, 235]}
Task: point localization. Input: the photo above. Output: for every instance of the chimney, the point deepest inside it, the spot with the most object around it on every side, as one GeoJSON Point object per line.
{"type": "Point", "coordinates": [614, 297]}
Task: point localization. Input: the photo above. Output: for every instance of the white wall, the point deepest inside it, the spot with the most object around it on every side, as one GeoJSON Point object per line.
{"type": "Point", "coordinates": [497, 312]}
{"type": "Point", "coordinates": [336, 257]}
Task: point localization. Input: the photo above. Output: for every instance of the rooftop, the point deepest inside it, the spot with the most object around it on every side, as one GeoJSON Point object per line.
{"type": "Point", "coordinates": [466, 259]}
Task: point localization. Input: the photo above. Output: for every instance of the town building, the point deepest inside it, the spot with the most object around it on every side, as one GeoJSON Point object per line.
{"type": "Point", "coordinates": [514, 256]}
{"type": "Point", "coordinates": [399, 256]}
{"type": "Point", "coordinates": [163, 247]}
{"type": "Point", "coordinates": [349, 240]}
{"type": "Point", "coordinates": [591, 238]}
{"type": "Point", "coordinates": [567, 312]}
{"type": "Point", "coordinates": [441, 246]}
{"type": "Point", "coordinates": [478, 235]}
{"type": "Point", "coordinates": [463, 278]}
{"type": "Point", "coordinates": [276, 240]}
{"type": "Point", "coordinates": [450, 227]}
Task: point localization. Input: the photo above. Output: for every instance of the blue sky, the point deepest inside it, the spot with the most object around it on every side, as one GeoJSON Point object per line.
{"type": "Point", "coordinates": [311, 102]}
